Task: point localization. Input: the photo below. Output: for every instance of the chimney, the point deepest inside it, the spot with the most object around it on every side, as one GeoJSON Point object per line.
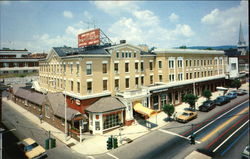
{"type": "Point", "coordinates": [122, 41]}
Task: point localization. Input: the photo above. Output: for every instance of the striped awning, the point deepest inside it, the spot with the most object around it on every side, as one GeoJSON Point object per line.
{"type": "Point", "coordinates": [139, 108]}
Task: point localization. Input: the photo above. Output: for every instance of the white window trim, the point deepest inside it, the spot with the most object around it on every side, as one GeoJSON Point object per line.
{"type": "Point", "coordinates": [89, 80]}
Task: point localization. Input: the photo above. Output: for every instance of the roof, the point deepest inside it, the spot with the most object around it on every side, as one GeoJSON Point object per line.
{"type": "Point", "coordinates": [67, 51]}
{"type": "Point", "coordinates": [232, 52]}
{"type": "Point", "coordinates": [144, 53]}
{"type": "Point", "coordinates": [105, 104]}
{"type": "Point", "coordinates": [191, 51]}
{"type": "Point", "coordinates": [57, 103]}
{"type": "Point", "coordinates": [30, 95]}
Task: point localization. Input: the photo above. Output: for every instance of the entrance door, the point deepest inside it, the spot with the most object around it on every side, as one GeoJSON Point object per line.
{"type": "Point", "coordinates": [155, 102]}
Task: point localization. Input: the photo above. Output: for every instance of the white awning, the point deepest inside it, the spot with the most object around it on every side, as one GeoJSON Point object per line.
{"type": "Point", "coordinates": [221, 88]}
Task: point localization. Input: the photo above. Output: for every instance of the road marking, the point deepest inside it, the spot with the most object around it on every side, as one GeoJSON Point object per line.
{"type": "Point", "coordinates": [90, 157]}
{"type": "Point", "coordinates": [175, 134]}
{"type": "Point", "coordinates": [223, 125]}
{"type": "Point", "coordinates": [112, 155]}
{"type": "Point", "coordinates": [218, 118]}
{"type": "Point", "coordinates": [230, 136]}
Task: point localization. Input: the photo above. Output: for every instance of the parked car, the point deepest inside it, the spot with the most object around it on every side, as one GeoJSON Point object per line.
{"type": "Point", "coordinates": [221, 100]}
{"type": "Point", "coordinates": [231, 95]}
{"type": "Point", "coordinates": [186, 116]}
{"type": "Point", "coordinates": [207, 106]}
{"type": "Point", "coordinates": [31, 149]}
{"type": "Point", "coordinates": [245, 153]}
{"type": "Point", "coordinates": [241, 92]}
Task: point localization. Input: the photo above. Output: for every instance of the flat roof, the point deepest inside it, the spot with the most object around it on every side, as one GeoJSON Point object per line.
{"type": "Point", "coordinates": [190, 51]}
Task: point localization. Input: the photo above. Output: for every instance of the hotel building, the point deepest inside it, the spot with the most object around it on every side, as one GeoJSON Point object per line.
{"type": "Point", "coordinates": [111, 83]}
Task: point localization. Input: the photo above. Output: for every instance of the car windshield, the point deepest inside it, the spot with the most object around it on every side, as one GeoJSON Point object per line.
{"type": "Point", "coordinates": [185, 114]}
{"type": "Point", "coordinates": [30, 147]}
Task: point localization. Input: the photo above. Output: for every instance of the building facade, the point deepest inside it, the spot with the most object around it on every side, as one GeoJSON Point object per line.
{"type": "Point", "coordinates": [133, 76]}
{"type": "Point", "coordinates": [18, 61]}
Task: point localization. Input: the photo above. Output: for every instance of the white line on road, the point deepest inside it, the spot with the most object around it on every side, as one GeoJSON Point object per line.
{"type": "Point", "coordinates": [90, 157]}
{"type": "Point", "coordinates": [218, 118]}
{"type": "Point", "coordinates": [230, 136]}
{"type": "Point", "coordinates": [172, 133]}
{"type": "Point", "coordinates": [112, 155]}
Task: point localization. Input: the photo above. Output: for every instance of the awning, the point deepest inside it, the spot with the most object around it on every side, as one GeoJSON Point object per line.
{"type": "Point", "coordinates": [139, 108]}
{"type": "Point", "coordinates": [221, 88]}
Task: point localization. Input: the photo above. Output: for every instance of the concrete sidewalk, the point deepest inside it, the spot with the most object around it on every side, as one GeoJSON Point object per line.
{"type": "Point", "coordinates": [96, 144]}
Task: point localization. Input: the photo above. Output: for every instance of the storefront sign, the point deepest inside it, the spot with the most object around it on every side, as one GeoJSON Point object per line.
{"type": "Point", "coordinates": [78, 102]}
{"type": "Point", "coordinates": [157, 91]}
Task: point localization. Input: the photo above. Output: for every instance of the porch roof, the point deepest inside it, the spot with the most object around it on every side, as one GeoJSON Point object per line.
{"type": "Point", "coordinates": [106, 104]}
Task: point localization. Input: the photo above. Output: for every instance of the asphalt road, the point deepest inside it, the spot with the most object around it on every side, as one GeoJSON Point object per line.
{"type": "Point", "coordinates": [26, 128]}
{"type": "Point", "coordinates": [172, 140]}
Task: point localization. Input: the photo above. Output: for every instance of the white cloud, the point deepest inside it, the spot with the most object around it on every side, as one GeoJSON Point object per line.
{"type": "Point", "coordinates": [87, 15]}
{"type": "Point", "coordinates": [184, 30]}
{"type": "Point", "coordinates": [68, 14]}
{"type": "Point", "coordinates": [223, 25]}
{"type": "Point", "coordinates": [173, 17]}
{"type": "Point", "coordinates": [146, 17]}
{"type": "Point", "coordinates": [115, 7]}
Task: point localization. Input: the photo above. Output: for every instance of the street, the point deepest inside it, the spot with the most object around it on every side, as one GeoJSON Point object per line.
{"type": "Point", "coordinates": [172, 140]}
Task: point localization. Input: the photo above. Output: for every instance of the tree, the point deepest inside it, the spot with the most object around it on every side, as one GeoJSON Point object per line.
{"type": "Point", "coordinates": [207, 94]}
{"type": "Point", "coordinates": [209, 48]}
{"type": "Point", "coordinates": [190, 99]}
{"type": "Point", "coordinates": [235, 84]}
{"type": "Point", "coordinates": [183, 47]}
{"type": "Point", "coordinates": [168, 109]}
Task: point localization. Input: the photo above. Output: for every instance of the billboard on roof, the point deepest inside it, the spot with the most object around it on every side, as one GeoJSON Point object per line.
{"type": "Point", "coordinates": [88, 38]}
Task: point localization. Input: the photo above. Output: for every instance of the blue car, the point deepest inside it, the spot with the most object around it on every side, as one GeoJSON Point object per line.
{"type": "Point", "coordinates": [231, 95]}
{"type": "Point", "coordinates": [221, 100]}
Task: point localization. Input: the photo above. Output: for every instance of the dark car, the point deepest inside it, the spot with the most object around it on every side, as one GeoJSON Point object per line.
{"type": "Point", "coordinates": [241, 92]}
{"type": "Point", "coordinates": [207, 106]}
{"type": "Point", "coordinates": [221, 100]}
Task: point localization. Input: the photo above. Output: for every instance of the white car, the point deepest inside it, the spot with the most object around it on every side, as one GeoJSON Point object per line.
{"type": "Point", "coordinates": [245, 152]}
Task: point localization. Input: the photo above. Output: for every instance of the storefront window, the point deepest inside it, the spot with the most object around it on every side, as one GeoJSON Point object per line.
{"type": "Point", "coordinates": [111, 120]}
{"type": "Point", "coordinates": [97, 125]}
{"type": "Point", "coordinates": [155, 103]}
{"type": "Point", "coordinates": [163, 100]}
{"type": "Point", "coordinates": [169, 97]}
{"type": "Point", "coordinates": [176, 97]}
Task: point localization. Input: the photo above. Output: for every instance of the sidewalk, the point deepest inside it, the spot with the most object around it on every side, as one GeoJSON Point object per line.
{"type": "Point", "coordinates": [96, 144]}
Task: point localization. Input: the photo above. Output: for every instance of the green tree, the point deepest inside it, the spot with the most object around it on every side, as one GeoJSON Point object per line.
{"type": "Point", "coordinates": [168, 109]}
{"type": "Point", "coordinates": [183, 47]}
{"type": "Point", "coordinates": [207, 94]}
{"type": "Point", "coordinates": [190, 99]}
{"type": "Point", "coordinates": [209, 48]}
{"type": "Point", "coordinates": [235, 83]}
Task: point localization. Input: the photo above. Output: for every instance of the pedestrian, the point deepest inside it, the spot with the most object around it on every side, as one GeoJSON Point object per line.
{"type": "Point", "coordinates": [41, 118]}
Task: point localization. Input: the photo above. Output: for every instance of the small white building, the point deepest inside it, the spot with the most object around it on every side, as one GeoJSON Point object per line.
{"type": "Point", "coordinates": [232, 68]}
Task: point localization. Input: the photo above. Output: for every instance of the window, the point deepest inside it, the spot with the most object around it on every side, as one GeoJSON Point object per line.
{"type": "Point", "coordinates": [187, 76]}
{"type": "Point", "coordinates": [142, 67]}
{"type": "Point", "coordinates": [105, 83]}
{"type": "Point", "coordinates": [160, 78]}
{"type": "Point", "coordinates": [77, 68]}
{"type": "Point", "coordinates": [116, 65]}
{"type": "Point", "coordinates": [129, 55]}
{"type": "Point", "coordinates": [205, 73]}
{"type": "Point", "coordinates": [151, 65]}
{"type": "Point", "coordinates": [201, 62]}
{"type": "Point", "coordinates": [64, 68]}
{"type": "Point", "coordinates": [190, 63]}
{"type": "Point", "coordinates": [126, 55]}
{"type": "Point", "coordinates": [71, 68]}
{"type": "Point", "coordinates": [127, 82]}
{"type": "Point", "coordinates": [180, 77]}
{"type": "Point", "coordinates": [111, 120]}
{"type": "Point", "coordinates": [116, 84]}
{"type": "Point", "coordinates": [134, 54]}
{"type": "Point", "coordinates": [204, 62]}
{"type": "Point", "coordinates": [194, 62]}
{"type": "Point", "coordinates": [71, 85]}
{"type": "Point", "coordinates": [117, 54]}
{"type": "Point", "coordinates": [215, 61]}
{"type": "Point", "coordinates": [190, 76]}
{"type": "Point", "coordinates": [142, 80]}
{"type": "Point", "coordinates": [151, 79]}
{"type": "Point", "coordinates": [104, 68]}
{"type": "Point", "coordinates": [171, 77]}
{"type": "Point", "coordinates": [198, 62]}
{"type": "Point", "coordinates": [160, 64]}
{"type": "Point", "coordinates": [123, 54]}
{"type": "Point", "coordinates": [136, 81]}
{"type": "Point", "coordinates": [97, 125]}
{"type": "Point", "coordinates": [163, 99]}
{"type": "Point", "coordinates": [194, 74]}
{"type": "Point", "coordinates": [198, 75]}
{"type": "Point", "coordinates": [126, 67]}
{"type": "Point", "coordinates": [201, 74]}
{"type": "Point", "coordinates": [136, 66]}
{"type": "Point", "coordinates": [171, 63]}
{"type": "Point", "coordinates": [78, 87]}
{"type": "Point", "coordinates": [186, 63]}
{"type": "Point", "coordinates": [89, 87]}
{"type": "Point", "coordinates": [180, 63]}
{"type": "Point", "coordinates": [89, 69]}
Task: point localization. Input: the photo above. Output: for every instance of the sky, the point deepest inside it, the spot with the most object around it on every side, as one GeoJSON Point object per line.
{"type": "Point", "coordinates": [39, 26]}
